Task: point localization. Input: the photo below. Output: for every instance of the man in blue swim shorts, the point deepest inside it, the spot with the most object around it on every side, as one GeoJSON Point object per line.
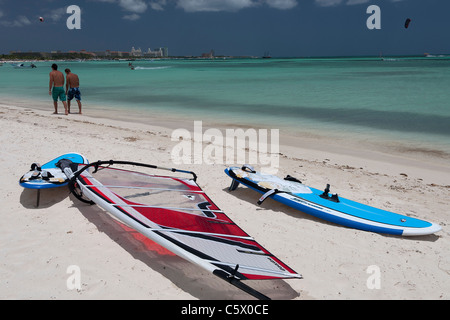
{"type": "Point", "coordinates": [56, 88]}
{"type": "Point", "coordinates": [73, 88]}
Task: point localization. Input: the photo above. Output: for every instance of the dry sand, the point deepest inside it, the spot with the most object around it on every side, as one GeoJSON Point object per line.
{"type": "Point", "coordinates": [38, 245]}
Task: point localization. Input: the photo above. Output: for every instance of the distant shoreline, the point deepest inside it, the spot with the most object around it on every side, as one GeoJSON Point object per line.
{"type": "Point", "coordinates": [77, 57]}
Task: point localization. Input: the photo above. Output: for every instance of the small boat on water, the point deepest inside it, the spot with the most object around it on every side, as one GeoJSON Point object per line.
{"type": "Point", "coordinates": [23, 66]}
{"type": "Point", "coordinates": [267, 55]}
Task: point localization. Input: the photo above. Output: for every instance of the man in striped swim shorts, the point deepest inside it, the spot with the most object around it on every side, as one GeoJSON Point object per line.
{"type": "Point", "coordinates": [73, 89]}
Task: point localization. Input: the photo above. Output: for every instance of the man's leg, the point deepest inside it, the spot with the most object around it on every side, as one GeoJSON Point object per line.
{"type": "Point", "coordinates": [79, 105]}
{"type": "Point", "coordinates": [65, 107]}
{"type": "Point", "coordinates": [63, 98]}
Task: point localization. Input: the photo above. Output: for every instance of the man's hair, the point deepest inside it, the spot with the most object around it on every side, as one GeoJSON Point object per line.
{"type": "Point", "coordinates": [67, 70]}
{"type": "Point", "coordinates": [54, 66]}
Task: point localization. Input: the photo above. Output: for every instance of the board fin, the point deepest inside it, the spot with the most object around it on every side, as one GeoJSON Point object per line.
{"type": "Point", "coordinates": [291, 178]}
{"type": "Point", "coordinates": [268, 194]}
{"type": "Point", "coordinates": [234, 185]}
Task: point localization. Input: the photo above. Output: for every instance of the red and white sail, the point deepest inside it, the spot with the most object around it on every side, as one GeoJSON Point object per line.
{"type": "Point", "coordinates": [177, 214]}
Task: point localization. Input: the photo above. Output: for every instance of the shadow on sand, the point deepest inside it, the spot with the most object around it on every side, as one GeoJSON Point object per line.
{"type": "Point", "coordinates": [185, 275]}
{"type": "Point", "coordinates": [33, 199]}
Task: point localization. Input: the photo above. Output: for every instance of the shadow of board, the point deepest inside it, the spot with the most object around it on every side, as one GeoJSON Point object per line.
{"type": "Point", "coordinates": [185, 275]}
{"type": "Point", "coordinates": [43, 198]}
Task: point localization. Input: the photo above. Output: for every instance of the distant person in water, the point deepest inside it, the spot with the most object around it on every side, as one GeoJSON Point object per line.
{"type": "Point", "coordinates": [73, 89]}
{"type": "Point", "coordinates": [56, 88]}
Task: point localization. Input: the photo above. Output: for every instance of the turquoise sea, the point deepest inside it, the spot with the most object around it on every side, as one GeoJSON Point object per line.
{"type": "Point", "coordinates": [400, 99]}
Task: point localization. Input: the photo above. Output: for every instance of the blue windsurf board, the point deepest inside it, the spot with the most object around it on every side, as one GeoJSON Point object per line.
{"type": "Point", "coordinates": [49, 175]}
{"type": "Point", "coordinates": [328, 206]}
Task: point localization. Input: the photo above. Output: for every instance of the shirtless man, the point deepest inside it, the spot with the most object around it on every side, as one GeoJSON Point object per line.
{"type": "Point", "coordinates": [56, 88]}
{"type": "Point", "coordinates": [73, 88]}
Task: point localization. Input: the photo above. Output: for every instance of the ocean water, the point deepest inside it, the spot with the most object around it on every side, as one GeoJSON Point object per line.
{"type": "Point", "coordinates": [405, 100]}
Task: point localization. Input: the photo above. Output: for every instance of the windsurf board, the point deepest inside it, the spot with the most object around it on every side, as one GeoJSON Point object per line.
{"type": "Point", "coordinates": [330, 207]}
{"type": "Point", "coordinates": [48, 175]}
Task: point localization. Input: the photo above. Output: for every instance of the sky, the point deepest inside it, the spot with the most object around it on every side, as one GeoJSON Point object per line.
{"type": "Point", "coordinates": [284, 28]}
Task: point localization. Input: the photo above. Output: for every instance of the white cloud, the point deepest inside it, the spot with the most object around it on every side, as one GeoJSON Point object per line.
{"type": "Point", "coordinates": [282, 4]}
{"type": "Point", "coordinates": [328, 3]}
{"type": "Point", "coordinates": [158, 5]}
{"type": "Point", "coordinates": [214, 5]}
{"type": "Point", "coordinates": [353, 2]}
{"type": "Point", "coordinates": [140, 6]}
{"type": "Point", "coordinates": [57, 14]}
{"type": "Point", "coordinates": [232, 5]}
{"type": "Point", "coordinates": [332, 3]}
{"type": "Point", "coordinates": [20, 21]}
{"type": "Point", "coordinates": [132, 17]}
{"type": "Point", "coordinates": [136, 6]}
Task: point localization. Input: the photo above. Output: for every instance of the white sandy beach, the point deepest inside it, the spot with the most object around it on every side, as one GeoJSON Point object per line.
{"type": "Point", "coordinates": [37, 245]}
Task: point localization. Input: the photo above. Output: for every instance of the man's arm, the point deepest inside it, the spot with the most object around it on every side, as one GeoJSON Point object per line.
{"type": "Point", "coordinates": [50, 85]}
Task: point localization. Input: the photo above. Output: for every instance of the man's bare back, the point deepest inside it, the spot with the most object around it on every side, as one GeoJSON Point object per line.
{"type": "Point", "coordinates": [56, 79]}
{"type": "Point", "coordinates": [72, 80]}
